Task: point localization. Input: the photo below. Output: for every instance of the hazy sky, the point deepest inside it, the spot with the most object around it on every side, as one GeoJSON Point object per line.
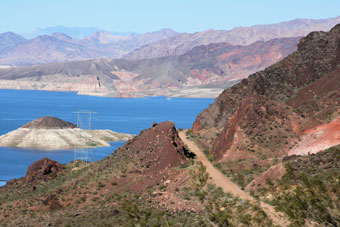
{"type": "Point", "coordinates": [150, 15]}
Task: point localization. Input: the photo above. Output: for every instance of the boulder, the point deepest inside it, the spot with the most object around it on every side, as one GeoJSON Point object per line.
{"type": "Point", "coordinates": [43, 169]}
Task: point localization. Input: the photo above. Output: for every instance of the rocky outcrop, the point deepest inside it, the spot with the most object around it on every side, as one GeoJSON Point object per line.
{"type": "Point", "coordinates": [50, 133]}
{"type": "Point", "coordinates": [161, 146]}
{"type": "Point", "coordinates": [52, 203]}
{"type": "Point", "coordinates": [268, 178]}
{"type": "Point", "coordinates": [43, 169]}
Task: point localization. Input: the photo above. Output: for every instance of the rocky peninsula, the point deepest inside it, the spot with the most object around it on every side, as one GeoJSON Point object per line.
{"type": "Point", "coordinates": [50, 133]}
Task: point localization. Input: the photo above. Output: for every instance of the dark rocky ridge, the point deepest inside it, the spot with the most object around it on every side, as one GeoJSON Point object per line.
{"type": "Point", "coordinates": [49, 123]}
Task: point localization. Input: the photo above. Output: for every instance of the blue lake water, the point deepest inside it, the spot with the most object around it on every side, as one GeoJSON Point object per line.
{"type": "Point", "coordinates": [121, 115]}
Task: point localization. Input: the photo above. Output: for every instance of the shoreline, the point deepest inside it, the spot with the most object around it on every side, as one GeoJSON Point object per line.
{"type": "Point", "coordinates": [178, 93]}
{"type": "Point", "coordinates": [60, 139]}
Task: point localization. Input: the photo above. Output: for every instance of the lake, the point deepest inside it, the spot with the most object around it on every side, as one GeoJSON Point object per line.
{"type": "Point", "coordinates": [122, 115]}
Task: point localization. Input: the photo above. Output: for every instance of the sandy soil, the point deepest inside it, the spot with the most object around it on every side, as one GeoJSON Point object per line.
{"type": "Point", "coordinates": [318, 139]}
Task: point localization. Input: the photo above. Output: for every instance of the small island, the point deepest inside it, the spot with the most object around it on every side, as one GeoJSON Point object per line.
{"type": "Point", "coordinates": [51, 133]}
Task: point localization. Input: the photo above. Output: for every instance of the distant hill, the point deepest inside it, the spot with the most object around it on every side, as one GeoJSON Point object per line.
{"type": "Point", "coordinates": [74, 32]}
{"type": "Point", "coordinates": [46, 49]}
{"type": "Point", "coordinates": [60, 47]}
{"type": "Point", "coordinates": [238, 36]}
{"type": "Point", "coordinates": [10, 39]}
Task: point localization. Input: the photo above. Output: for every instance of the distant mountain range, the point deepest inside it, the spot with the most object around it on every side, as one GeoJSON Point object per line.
{"type": "Point", "coordinates": [183, 42]}
{"type": "Point", "coordinates": [74, 32]}
{"type": "Point", "coordinates": [164, 62]}
{"type": "Point", "coordinates": [59, 47]}
{"type": "Point", "coordinates": [213, 66]}
{"type": "Point", "coordinates": [59, 44]}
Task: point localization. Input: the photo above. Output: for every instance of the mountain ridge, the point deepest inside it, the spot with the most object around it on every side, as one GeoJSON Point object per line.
{"type": "Point", "coordinates": [238, 36]}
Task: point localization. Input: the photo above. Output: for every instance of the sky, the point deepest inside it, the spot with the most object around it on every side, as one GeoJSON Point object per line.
{"type": "Point", "coordinates": [141, 16]}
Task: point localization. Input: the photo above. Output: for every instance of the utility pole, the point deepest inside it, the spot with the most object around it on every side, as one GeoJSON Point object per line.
{"type": "Point", "coordinates": [84, 122]}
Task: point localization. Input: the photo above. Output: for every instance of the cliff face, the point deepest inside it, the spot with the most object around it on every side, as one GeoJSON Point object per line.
{"type": "Point", "coordinates": [268, 112]}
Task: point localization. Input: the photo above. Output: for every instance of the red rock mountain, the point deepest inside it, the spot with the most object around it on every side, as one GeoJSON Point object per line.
{"type": "Point", "coordinates": [273, 110]}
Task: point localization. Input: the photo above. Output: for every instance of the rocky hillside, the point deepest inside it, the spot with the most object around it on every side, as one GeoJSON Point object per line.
{"type": "Point", "coordinates": [255, 130]}
{"type": "Point", "coordinates": [291, 107]}
{"type": "Point", "coordinates": [202, 71]}
{"type": "Point", "coordinates": [150, 181]}
{"type": "Point", "coordinates": [266, 114]}
{"type": "Point", "coordinates": [48, 133]}
{"type": "Point", "coordinates": [145, 178]}
{"type": "Point", "coordinates": [311, 182]}
{"type": "Point", "coordinates": [182, 43]}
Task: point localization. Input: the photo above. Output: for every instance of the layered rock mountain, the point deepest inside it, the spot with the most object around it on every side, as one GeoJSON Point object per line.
{"type": "Point", "coordinates": [274, 110]}
{"type": "Point", "coordinates": [181, 43]}
{"type": "Point", "coordinates": [203, 71]}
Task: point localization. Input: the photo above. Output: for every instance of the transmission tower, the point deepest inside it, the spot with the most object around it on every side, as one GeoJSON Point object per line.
{"type": "Point", "coordinates": [84, 122]}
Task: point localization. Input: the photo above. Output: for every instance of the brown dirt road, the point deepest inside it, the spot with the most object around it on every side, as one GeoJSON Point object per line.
{"type": "Point", "coordinates": [228, 186]}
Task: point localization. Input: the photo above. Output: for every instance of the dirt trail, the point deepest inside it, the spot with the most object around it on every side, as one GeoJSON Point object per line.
{"type": "Point", "coordinates": [228, 186]}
